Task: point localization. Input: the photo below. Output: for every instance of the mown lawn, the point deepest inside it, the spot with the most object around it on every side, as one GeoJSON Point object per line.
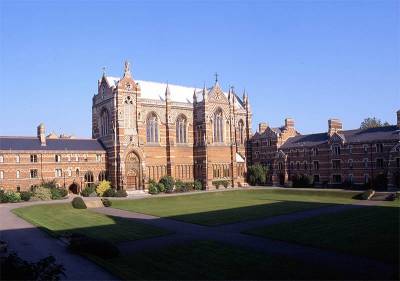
{"type": "Point", "coordinates": [232, 206]}
{"type": "Point", "coordinates": [61, 219]}
{"type": "Point", "coordinates": [206, 260]}
{"type": "Point", "coordinates": [369, 231]}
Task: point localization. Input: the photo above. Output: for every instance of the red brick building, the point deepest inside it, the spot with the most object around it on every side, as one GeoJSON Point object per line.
{"type": "Point", "coordinates": [141, 130]}
{"type": "Point", "coordinates": [335, 157]}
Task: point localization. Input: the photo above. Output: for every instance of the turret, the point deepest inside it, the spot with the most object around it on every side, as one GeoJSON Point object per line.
{"type": "Point", "coordinates": [41, 134]}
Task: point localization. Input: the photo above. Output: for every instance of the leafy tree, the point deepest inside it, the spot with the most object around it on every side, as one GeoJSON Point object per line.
{"type": "Point", "coordinates": [372, 123]}
{"type": "Point", "coordinates": [257, 174]}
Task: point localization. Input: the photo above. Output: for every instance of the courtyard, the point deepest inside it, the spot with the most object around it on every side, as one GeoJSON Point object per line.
{"type": "Point", "coordinates": [235, 234]}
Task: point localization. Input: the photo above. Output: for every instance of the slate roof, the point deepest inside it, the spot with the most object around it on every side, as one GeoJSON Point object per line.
{"type": "Point", "coordinates": [156, 91]}
{"type": "Point", "coordinates": [33, 143]}
{"type": "Point", "coordinates": [351, 136]}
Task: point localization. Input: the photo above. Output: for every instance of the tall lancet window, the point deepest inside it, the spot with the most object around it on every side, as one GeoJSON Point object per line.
{"type": "Point", "coordinates": [181, 129]}
{"type": "Point", "coordinates": [152, 128]}
{"type": "Point", "coordinates": [241, 132]}
{"type": "Point", "coordinates": [218, 126]}
{"type": "Point", "coordinates": [104, 122]}
{"type": "Point", "coordinates": [128, 111]}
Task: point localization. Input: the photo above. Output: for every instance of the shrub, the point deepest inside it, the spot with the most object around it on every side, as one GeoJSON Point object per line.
{"type": "Point", "coordinates": [10, 197]}
{"type": "Point", "coordinates": [179, 186]}
{"type": "Point", "coordinates": [380, 182]}
{"type": "Point", "coordinates": [25, 195]}
{"type": "Point", "coordinates": [41, 193]}
{"type": "Point", "coordinates": [197, 185]}
{"type": "Point", "coordinates": [78, 203]}
{"type": "Point", "coordinates": [257, 175]}
{"type": "Point", "coordinates": [219, 183]}
{"type": "Point", "coordinates": [168, 183]}
{"type": "Point", "coordinates": [15, 268]}
{"type": "Point", "coordinates": [121, 193]}
{"type": "Point", "coordinates": [302, 181]}
{"type": "Point", "coordinates": [110, 192]}
{"type": "Point", "coordinates": [102, 187]}
{"type": "Point", "coordinates": [58, 193]}
{"type": "Point", "coordinates": [88, 191]}
{"type": "Point", "coordinates": [153, 188]}
{"type": "Point", "coordinates": [49, 184]}
{"type": "Point", "coordinates": [160, 187]}
{"type": "Point", "coordinates": [106, 202]}
{"type": "Point", "coordinates": [95, 246]}
{"type": "Point", "coordinates": [189, 186]}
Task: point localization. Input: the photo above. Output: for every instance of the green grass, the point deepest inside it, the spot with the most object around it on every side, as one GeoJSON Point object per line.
{"type": "Point", "coordinates": [371, 232]}
{"type": "Point", "coordinates": [205, 260]}
{"type": "Point", "coordinates": [232, 206]}
{"type": "Point", "coordinates": [61, 219]}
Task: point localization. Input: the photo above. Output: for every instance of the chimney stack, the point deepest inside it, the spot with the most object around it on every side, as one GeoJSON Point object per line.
{"type": "Point", "coordinates": [262, 127]}
{"type": "Point", "coordinates": [398, 118]}
{"type": "Point", "coordinates": [289, 123]}
{"type": "Point", "coordinates": [41, 134]}
{"type": "Point", "coordinates": [334, 125]}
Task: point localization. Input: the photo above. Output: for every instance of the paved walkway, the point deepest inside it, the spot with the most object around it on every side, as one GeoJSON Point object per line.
{"type": "Point", "coordinates": [230, 234]}
{"type": "Point", "coordinates": [32, 244]}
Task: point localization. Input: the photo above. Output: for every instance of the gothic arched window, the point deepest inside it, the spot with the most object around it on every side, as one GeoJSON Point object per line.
{"type": "Point", "coordinates": [241, 132]}
{"type": "Point", "coordinates": [218, 126]}
{"type": "Point", "coordinates": [181, 129]}
{"type": "Point", "coordinates": [104, 122]}
{"type": "Point", "coordinates": [89, 179]}
{"type": "Point", "coordinates": [152, 128]}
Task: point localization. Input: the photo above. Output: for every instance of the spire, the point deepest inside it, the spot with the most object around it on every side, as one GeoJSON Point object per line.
{"type": "Point", "coordinates": [244, 96]}
{"type": "Point", "coordinates": [104, 71]}
{"type": "Point", "coordinates": [216, 77]}
{"type": "Point", "coordinates": [127, 70]}
{"type": "Point", "coordinates": [194, 96]}
{"type": "Point", "coordinates": [167, 93]}
{"type": "Point", "coordinates": [204, 91]}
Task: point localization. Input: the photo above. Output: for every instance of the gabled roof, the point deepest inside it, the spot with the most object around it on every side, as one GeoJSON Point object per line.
{"type": "Point", "coordinates": [33, 143]}
{"type": "Point", "coordinates": [350, 136]}
{"type": "Point", "coordinates": [156, 91]}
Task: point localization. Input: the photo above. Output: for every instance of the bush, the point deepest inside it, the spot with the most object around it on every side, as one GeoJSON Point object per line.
{"type": "Point", "coordinates": [153, 188]}
{"type": "Point", "coordinates": [219, 183]}
{"type": "Point", "coordinates": [121, 193]}
{"type": "Point", "coordinates": [106, 202]}
{"type": "Point", "coordinates": [49, 184]}
{"type": "Point", "coordinates": [10, 197]}
{"type": "Point", "coordinates": [102, 187]}
{"type": "Point", "coordinates": [302, 181]}
{"type": "Point", "coordinates": [25, 195]}
{"type": "Point", "coordinates": [58, 193]}
{"type": "Point", "coordinates": [78, 203]}
{"type": "Point", "coordinates": [95, 246]}
{"type": "Point", "coordinates": [160, 187]}
{"type": "Point", "coordinates": [168, 183]}
{"type": "Point", "coordinates": [88, 191]}
{"type": "Point", "coordinates": [179, 186]}
{"type": "Point", "coordinates": [257, 175]}
{"type": "Point", "coordinates": [197, 185]}
{"type": "Point", "coordinates": [41, 193]}
{"type": "Point", "coordinates": [15, 268]}
{"type": "Point", "coordinates": [110, 192]}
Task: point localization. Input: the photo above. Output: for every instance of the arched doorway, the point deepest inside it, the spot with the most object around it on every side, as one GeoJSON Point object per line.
{"type": "Point", "coordinates": [133, 172]}
{"type": "Point", "coordinates": [73, 188]}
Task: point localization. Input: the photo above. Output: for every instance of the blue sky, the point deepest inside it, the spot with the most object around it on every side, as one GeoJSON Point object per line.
{"type": "Point", "coordinates": [309, 60]}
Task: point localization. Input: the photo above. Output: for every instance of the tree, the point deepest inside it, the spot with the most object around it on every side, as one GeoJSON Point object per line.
{"type": "Point", "coordinates": [372, 123]}
{"type": "Point", "coordinates": [257, 174]}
